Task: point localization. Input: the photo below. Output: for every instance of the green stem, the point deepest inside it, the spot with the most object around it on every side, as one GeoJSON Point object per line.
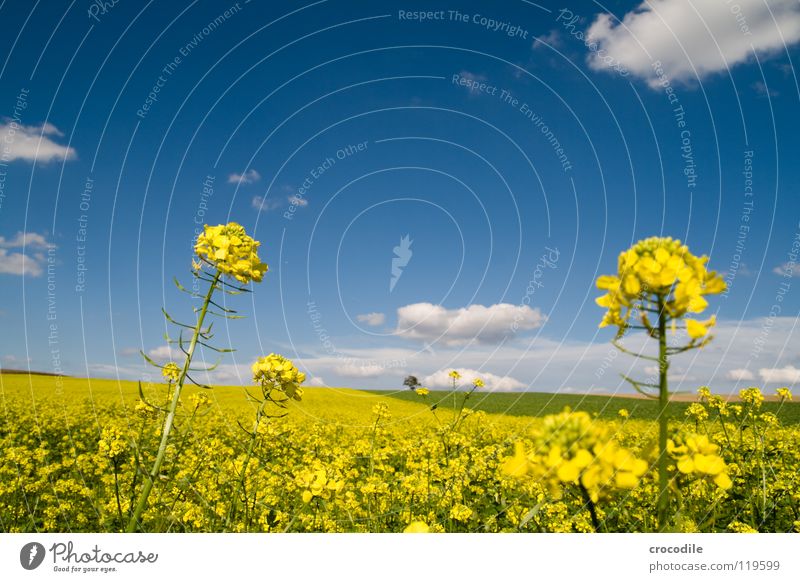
{"type": "Point", "coordinates": [116, 489]}
{"type": "Point", "coordinates": [168, 421]}
{"type": "Point", "coordinates": [592, 508]}
{"type": "Point", "coordinates": [663, 402]}
{"type": "Point", "coordinates": [454, 396]}
{"type": "Point", "coordinates": [461, 409]}
{"type": "Point", "coordinates": [243, 481]}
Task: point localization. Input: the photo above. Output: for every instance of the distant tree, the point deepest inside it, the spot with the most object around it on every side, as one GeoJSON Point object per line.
{"type": "Point", "coordinates": [411, 382]}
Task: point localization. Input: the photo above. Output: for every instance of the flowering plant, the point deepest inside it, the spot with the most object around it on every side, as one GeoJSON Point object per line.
{"type": "Point", "coordinates": [225, 250]}
{"type": "Point", "coordinates": [659, 278]}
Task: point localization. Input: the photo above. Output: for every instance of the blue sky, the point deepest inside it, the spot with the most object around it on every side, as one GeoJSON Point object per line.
{"type": "Point", "coordinates": [491, 138]}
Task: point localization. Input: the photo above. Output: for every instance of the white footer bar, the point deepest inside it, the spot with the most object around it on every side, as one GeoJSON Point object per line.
{"type": "Point", "coordinates": [402, 557]}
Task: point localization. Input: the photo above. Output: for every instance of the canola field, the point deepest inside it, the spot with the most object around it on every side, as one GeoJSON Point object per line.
{"type": "Point", "coordinates": [74, 454]}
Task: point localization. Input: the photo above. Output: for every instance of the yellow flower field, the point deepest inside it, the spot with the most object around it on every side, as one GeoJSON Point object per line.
{"type": "Point", "coordinates": [73, 455]}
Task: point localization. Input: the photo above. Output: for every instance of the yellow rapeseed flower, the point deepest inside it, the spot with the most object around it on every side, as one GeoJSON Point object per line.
{"type": "Point", "coordinates": [171, 372]}
{"type": "Point", "coordinates": [229, 248]}
{"type": "Point", "coordinates": [275, 372]}
{"type": "Point", "coordinates": [571, 449]}
{"type": "Point", "coordinates": [461, 512]}
{"type": "Point", "coordinates": [664, 267]}
{"type": "Point", "coordinates": [697, 455]}
{"type": "Point", "coordinates": [751, 396]}
{"type": "Point", "coordinates": [316, 483]}
{"type": "Point", "coordinates": [417, 527]}
{"type": "Point", "coordinates": [516, 466]}
{"type": "Point", "coordinates": [112, 444]}
{"type": "Point", "coordinates": [697, 412]}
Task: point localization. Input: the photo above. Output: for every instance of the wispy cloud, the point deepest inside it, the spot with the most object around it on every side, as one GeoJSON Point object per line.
{"type": "Point", "coordinates": [762, 89]}
{"type": "Point", "coordinates": [33, 143]}
{"type": "Point", "coordinates": [263, 204]}
{"type": "Point", "coordinates": [740, 375]}
{"type": "Point", "coordinates": [269, 203]}
{"type": "Point", "coordinates": [787, 270]}
{"type": "Point", "coordinates": [24, 239]}
{"type": "Point", "coordinates": [163, 353]}
{"type": "Point", "coordinates": [23, 262]}
{"type": "Point", "coordinates": [374, 319]}
{"type": "Point", "coordinates": [360, 370]}
{"type": "Point", "coordinates": [474, 81]}
{"type": "Point", "coordinates": [249, 177]}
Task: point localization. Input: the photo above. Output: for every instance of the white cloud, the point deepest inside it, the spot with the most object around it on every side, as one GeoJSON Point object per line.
{"type": "Point", "coordinates": [229, 374]}
{"type": "Point", "coordinates": [316, 381]}
{"type": "Point", "coordinates": [114, 371]}
{"type": "Point", "coordinates": [785, 375]}
{"type": "Point", "coordinates": [364, 370]}
{"type": "Point", "coordinates": [474, 79]}
{"type": "Point", "coordinates": [442, 379]}
{"type": "Point", "coordinates": [762, 89]}
{"type": "Point", "coordinates": [32, 143]}
{"type": "Point", "coordinates": [265, 204]}
{"type": "Point", "coordinates": [373, 319]}
{"type": "Point", "coordinates": [296, 200]}
{"type": "Point", "coordinates": [485, 324]}
{"type": "Point", "coordinates": [163, 353]}
{"type": "Point", "coordinates": [22, 239]}
{"type": "Point", "coordinates": [740, 374]}
{"type": "Point", "coordinates": [787, 270]}
{"type": "Point", "coordinates": [674, 374]}
{"type": "Point", "coordinates": [692, 38]}
{"type": "Point", "coordinates": [249, 177]}
{"type": "Point", "coordinates": [21, 263]}
{"type": "Point", "coordinates": [15, 362]}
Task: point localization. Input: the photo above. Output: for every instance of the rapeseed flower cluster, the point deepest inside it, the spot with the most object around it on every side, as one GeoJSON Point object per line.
{"type": "Point", "coordinates": [277, 373]}
{"type": "Point", "coordinates": [171, 372]}
{"type": "Point", "coordinates": [228, 248]}
{"type": "Point", "coordinates": [315, 483]}
{"type": "Point", "coordinates": [696, 455]}
{"type": "Point", "coordinates": [571, 449]}
{"type": "Point", "coordinates": [113, 443]}
{"type": "Point", "coordinates": [661, 267]}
